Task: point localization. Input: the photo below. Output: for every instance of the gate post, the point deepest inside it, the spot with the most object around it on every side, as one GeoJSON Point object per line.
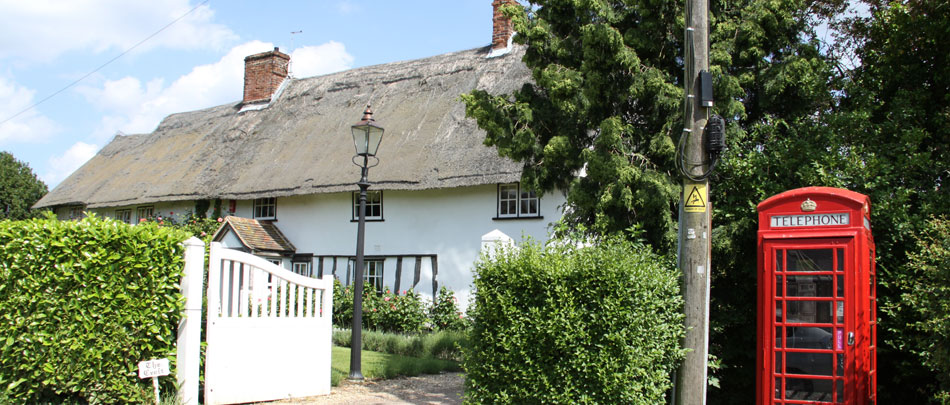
{"type": "Point", "coordinates": [189, 328]}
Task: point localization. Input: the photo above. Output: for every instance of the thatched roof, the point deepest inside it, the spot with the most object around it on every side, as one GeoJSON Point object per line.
{"type": "Point", "coordinates": [301, 143]}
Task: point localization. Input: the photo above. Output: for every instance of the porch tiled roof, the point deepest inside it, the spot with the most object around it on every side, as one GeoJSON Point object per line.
{"type": "Point", "coordinates": [256, 235]}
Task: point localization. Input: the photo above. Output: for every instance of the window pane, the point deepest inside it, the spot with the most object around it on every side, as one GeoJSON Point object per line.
{"type": "Point", "coordinates": [508, 200]}
{"type": "Point", "coordinates": [809, 311]}
{"type": "Point", "coordinates": [810, 260]}
{"type": "Point", "coordinates": [809, 286]}
{"type": "Point", "coordinates": [807, 337]}
{"type": "Point", "coordinates": [809, 363]}
{"type": "Point", "coordinates": [808, 389]}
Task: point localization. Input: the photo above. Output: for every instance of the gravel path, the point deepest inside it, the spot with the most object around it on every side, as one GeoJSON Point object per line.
{"type": "Point", "coordinates": [432, 389]}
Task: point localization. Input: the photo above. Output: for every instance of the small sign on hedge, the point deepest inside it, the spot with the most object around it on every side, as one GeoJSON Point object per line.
{"type": "Point", "coordinates": [154, 369]}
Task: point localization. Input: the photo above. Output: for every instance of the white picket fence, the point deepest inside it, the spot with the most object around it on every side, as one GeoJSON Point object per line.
{"type": "Point", "coordinates": [268, 331]}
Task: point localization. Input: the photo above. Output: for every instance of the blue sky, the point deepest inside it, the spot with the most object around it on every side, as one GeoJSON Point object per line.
{"type": "Point", "coordinates": [195, 63]}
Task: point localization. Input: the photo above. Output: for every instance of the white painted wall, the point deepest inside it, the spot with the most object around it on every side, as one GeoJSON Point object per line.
{"type": "Point", "coordinates": [445, 222]}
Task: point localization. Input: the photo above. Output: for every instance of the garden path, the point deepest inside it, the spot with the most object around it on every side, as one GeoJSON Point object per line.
{"type": "Point", "coordinates": [432, 389]}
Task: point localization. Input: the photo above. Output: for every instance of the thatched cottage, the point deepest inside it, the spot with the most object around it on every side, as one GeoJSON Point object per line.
{"type": "Point", "coordinates": [279, 163]}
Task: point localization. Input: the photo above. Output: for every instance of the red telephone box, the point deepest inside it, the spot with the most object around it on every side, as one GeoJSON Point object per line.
{"type": "Point", "coordinates": [817, 310]}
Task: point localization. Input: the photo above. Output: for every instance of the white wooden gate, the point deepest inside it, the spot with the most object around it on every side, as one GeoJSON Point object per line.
{"type": "Point", "coordinates": [268, 330]}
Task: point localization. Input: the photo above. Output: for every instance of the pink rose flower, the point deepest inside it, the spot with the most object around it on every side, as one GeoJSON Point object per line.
{"type": "Point", "coordinates": [386, 299]}
{"type": "Point", "coordinates": [220, 219]}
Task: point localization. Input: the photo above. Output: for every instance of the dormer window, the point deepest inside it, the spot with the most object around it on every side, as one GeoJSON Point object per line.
{"type": "Point", "coordinates": [265, 208]}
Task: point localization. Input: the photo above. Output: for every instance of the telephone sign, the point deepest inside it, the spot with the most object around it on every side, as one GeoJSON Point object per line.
{"type": "Point", "coordinates": [817, 311]}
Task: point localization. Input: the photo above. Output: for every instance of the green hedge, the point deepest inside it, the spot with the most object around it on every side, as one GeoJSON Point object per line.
{"type": "Point", "coordinates": [560, 324]}
{"type": "Point", "coordinates": [81, 303]}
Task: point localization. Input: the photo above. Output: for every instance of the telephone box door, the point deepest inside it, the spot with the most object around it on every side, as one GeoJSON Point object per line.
{"type": "Point", "coordinates": [810, 320]}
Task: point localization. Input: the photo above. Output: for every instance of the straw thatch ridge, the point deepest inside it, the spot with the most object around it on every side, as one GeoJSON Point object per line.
{"type": "Point", "coordinates": [301, 143]}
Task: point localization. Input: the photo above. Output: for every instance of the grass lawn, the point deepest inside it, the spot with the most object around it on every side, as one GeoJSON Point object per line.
{"type": "Point", "coordinates": [382, 365]}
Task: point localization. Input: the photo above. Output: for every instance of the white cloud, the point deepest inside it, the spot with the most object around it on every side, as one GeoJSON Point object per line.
{"type": "Point", "coordinates": [133, 107]}
{"type": "Point", "coordinates": [64, 165]}
{"type": "Point", "coordinates": [347, 7]}
{"type": "Point", "coordinates": [321, 59]}
{"type": "Point", "coordinates": [29, 125]}
{"type": "Point", "coordinates": [41, 30]}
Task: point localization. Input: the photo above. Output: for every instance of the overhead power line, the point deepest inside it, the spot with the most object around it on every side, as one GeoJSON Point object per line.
{"type": "Point", "coordinates": [32, 106]}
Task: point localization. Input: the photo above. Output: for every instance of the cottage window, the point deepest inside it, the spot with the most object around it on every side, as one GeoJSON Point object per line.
{"type": "Point", "coordinates": [372, 273]}
{"type": "Point", "coordinates": [517, 202]}
{"type": "Point", "coordinates": [265, 208]}
{"type": "Point", "coordinates": [302, 268]}
{"type": "Point", "coordinates": [75, 213]}
{"type": "Point", "coordinates": [145, 213]}
{"type": "Point", "coordinates": [124, 216]}
{"type": "Point", "coordinates": [374, 205]}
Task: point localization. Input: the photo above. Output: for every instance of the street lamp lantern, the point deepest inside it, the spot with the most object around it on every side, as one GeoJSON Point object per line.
{"type": "Point", "coordinates": [367, 135]}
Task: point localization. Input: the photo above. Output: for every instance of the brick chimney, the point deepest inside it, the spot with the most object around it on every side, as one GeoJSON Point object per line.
{"type": "Point", "coordinates": [263, 74]}
{"type": "Point", "coordinates": [502, 28]}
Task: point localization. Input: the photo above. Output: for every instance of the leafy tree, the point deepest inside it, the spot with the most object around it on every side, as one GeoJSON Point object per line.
{"type": "Point", "coordinates": [19, 188]}
{"type": "Point", "coordinates": [895, 117]}
{"type": "Point", "coordinates": [607, 97]}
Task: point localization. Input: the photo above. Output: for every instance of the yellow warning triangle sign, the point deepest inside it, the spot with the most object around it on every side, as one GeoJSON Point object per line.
{"type": "Point", "coordinates": [696, 199]}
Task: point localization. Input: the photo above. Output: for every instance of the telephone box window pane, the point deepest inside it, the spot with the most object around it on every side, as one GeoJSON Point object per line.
{"type": "Point", "coordinates": [778, 260]}
{"type": "Point", "coordinates": [809, 363]}
{"type": "Point", "coordinates": [808, 389]}
{"type": "Point", "coordinates": [808, 311]}
{"type": "Point", "coordinates": [810, 260]}
{"type": "Point", "coordinates": [840, 259]}
{"type": "Point", "coordinates": [840, 312]}
{"type": "Point", "coordinates": [778, 362]}
{"type": "Point", "coordinates": [778, 311]}
{"type": "Point", "coordinates": [778, 388]}
{"type": "Point", "coordinates": [840, 367]}
{"type": "Point", "coordinates": [809, 286]}
{"type": "Point", "coordinates": [808, 337]}
{"type": "Point", "coordinates": [778, 286]}
{"type": "Point", "coordinates": [840, 286]}
{"type": "Point", "coordinates": [778, 337]}
{"type": "Point", "coordinates": [839, 391]}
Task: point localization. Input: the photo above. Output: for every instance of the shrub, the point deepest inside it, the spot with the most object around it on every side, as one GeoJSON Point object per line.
{"type": "Point", "coordinates": [445, 314]}
{"type": "Point", "coordinates": [388, 311]}
{"type": "Point", "coordinates": [561, 324]}
{"type": "Point", "coordinates": [444, 345]}
{"type": "Point", "coordinates": [925, 296]}
{"type": "Point", "coordinates": [82, 303]}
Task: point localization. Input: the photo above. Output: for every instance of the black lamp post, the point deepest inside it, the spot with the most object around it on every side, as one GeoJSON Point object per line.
{"type": "Point", "coordinates": [366, 137]}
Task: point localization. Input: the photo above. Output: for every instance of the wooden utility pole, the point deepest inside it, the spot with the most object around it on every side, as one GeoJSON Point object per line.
{"type": "Point", "coordinates": [694, 211]}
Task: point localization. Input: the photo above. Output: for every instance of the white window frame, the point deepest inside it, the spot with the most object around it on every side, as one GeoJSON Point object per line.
{"type": "Point", "coordinates": [144, 212]}
{"type": "Point", "coordinates": [513, 201]}
{"type": "Point", "coordinates": [265, 208]}
{"type": "Point", "coordinates": [373, 271]}
{"type": "Point", "coordinates": [302, 268]}
{"type": "Point", "coordinates": [374, 205]}
{"type": "Point", "coordinates": [124, 215]}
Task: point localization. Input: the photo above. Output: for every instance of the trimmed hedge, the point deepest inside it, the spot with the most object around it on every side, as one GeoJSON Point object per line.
{"type": "Point", "coordinates": [81, 303]}
{"type": "Point", "coordinates": [561, 324]}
